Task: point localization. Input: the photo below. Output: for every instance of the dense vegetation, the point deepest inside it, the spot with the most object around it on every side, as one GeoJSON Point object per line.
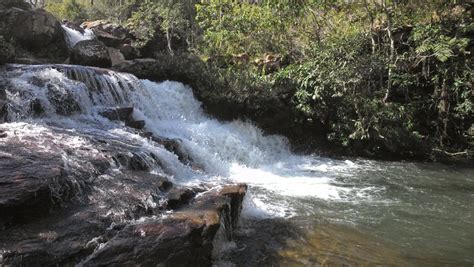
{"type": "Point", "coordinates": [369, 77]}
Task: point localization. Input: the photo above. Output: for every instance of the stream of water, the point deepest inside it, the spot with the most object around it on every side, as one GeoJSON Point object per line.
{"type": "Point", "coordinates": [300, 209]}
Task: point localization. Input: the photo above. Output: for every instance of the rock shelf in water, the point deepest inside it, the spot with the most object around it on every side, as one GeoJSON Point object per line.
{"type": "Point", "coordinates": [72, 193]}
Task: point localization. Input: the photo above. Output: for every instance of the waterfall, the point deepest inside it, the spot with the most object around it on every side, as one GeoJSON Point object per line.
{"type": "Point", "coordinates": [59, 113]}
{"type": "Point", "coordinates": [234, 151]}
{"type": "Point", "coordinates": [73, 36]}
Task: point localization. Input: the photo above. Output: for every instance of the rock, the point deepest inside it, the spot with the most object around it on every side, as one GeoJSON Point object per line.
{"type": "Point", "coordinates": [31, 61]}
{"type": "Point", "coordinates": [3, 112]}
{"type": "Point", "coordinates": [7, 51]}
{"type": "Point", "coordinates": [139, 125]}
{"type": "Point", "coordinates": [74, 26]}
{"type": "Point", "coordinates": [91, 53]}
{"type": "Point", "coordinates": [129, 52]}
{"type": "Point", "coordinates": [112, 35]}
{"type": "Point", "coordinates": [116, 56]}
{"type": "Point", "coordinates": [185, 238]}
{"type": "Point", "coordinates": [175, 146]}
{"type": "Point", "coordinates": [187, 69]}
{"type": "Point", "coordinates": [36, 108]}
{"type": "Point", "coordinates": [125, 115]}
{"type": "Point", "coordinates": [36, 34]}
{"type": "Point", "coordinates": [133, 161]}
{"type": "Point", "coordinates": [179, 197]}
{"type": "Point", "coordinates": [31, 28]}
{"type": "Point", "coordinates": [63, 100]}
{"type": "Point", "coordinates": [30, 183]}
{"type": "Point", "coordinates": [118, 114]}
{"type": "Point", "coordinates": [21, 4]}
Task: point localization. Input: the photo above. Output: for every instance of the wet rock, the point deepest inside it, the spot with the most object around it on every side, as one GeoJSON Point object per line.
{"type": "Point", "coordinates": [125, 115]}
{"type": "Point", "coordinates": [91, 53]}
{"type": "Point", "coordinates": [135, 124]}
{"type": "Point", "coordinates": [63, 100]}
{"type": "Point", "coordinates": [3, 112]}
{"type": "Point", "coordinates": [183, 242]}
{"type": "Point", "coordinates": [74, 26]}
{"type": "Point", "coordinates": [30, 183]}
{"type": "Point", "coordinates": [175, 146]}
{"type": "Point", "coordinates": [3, 134]}
{"type": "Point", "coordinates": [164, 184]}
{"type": "Point", "coordinates": [36, 107]}
{"type": "Point", "coordinates": [178, 197]}
{"type": "Point", "coordinates": [118, 114]}
{"type": "Point", "coordinates": [132, 161]}
{"type": "Point", "coordinates": [185, 238]}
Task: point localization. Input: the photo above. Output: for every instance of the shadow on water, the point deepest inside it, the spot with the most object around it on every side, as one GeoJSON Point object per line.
{"type": "Point", "coordinates": [284, 242]}
{"type": "Point", "coordinates": [259, 242]}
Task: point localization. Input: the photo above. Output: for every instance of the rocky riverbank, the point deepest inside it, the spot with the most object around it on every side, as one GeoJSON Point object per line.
{"type": "Point", "coordinates": [71, 197]}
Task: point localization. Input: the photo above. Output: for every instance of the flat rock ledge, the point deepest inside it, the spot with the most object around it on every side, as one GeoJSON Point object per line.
{"type": "Point", "coordinates": [52, 215]}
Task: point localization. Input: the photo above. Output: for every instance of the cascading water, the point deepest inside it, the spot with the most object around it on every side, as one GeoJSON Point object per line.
{"type": "Point", "coordinates": [405, 205]}
{"type": "Point", "coordinates": [74, 36]}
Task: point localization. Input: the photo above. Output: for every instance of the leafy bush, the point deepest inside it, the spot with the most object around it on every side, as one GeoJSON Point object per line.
{"type": "Point", "coordinates": [69, 9]}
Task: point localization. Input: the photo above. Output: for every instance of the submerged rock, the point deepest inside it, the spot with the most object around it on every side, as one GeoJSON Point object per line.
{"type": "Point", "coordinates": [91, 53]}
{"type": "Point", "coordinates": [118, 114]}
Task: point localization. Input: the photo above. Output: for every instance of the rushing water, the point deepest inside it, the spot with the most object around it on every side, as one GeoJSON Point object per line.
{"type": "Point", "coordinates": [300, 210]}
{"type": "Point", "coordinates": [73, 36]}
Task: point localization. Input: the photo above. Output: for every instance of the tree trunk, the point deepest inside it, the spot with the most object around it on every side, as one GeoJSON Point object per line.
{"type": "Point", "coordinates": [168, 40]}
{"type": "Point", "coordinates": [371, 17]}
{"type": "Point", "coordinates": [392, 51]}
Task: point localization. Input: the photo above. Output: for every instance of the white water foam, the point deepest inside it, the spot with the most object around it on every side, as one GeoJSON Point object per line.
{"type": "Point", "coordinates": [228, 151]}
{"type": "Point", "coordinates": [73, 37]}
{"type": "Point", "coordinates": [239, 152]}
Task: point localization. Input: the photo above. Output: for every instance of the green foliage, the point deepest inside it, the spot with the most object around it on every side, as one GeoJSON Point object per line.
{"type": "Point", "coordinates": [374, 77]}
{"type": "Point", "coordinates": [232, 28]}
{"type": "Point", "coordinates": [171, 18]}
{"type": "Point", "coordinates": [69, 9]}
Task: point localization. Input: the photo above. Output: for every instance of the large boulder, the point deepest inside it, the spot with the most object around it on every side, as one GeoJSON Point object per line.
{"type": "Point", "coordinates": [30, 28]}
{"type": "Point", "coordinates": [6, 4]}
{"type": "Point", "coordinates": [112, 35]}
{"type": "Point", "coordinates": [91, 53]}
{"type": "Point", "coordinates": [35, 34]}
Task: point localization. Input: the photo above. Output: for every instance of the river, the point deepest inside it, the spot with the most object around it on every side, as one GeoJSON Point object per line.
{"type": "Point", "coordinates": [300, 209]}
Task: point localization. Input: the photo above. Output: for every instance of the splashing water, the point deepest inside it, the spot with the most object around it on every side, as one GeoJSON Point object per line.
{"type": "Point", "coordinates": [73, 36]}
{"type": "Point", "coordinates": [403, 203]}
